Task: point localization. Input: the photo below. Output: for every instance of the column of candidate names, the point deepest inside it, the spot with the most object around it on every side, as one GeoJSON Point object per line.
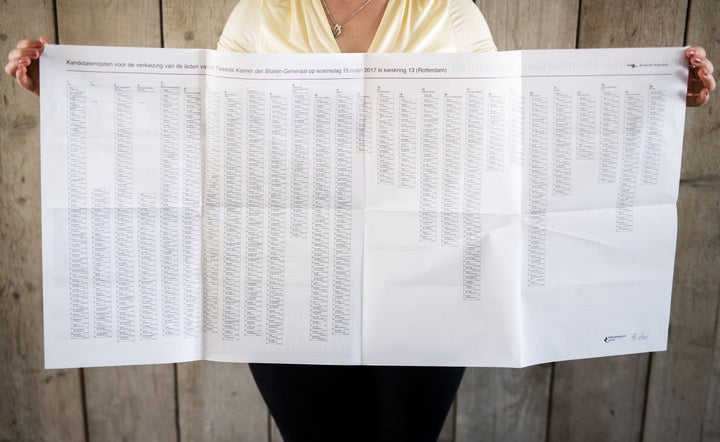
{"type": "Point", "coordinates": [440, 143]}
{"type": "Point", "coordinates": [240, 172]}
{"type": "Point", "coordinates": [277, 175]}
{"type": "Point", "coordinates": [134, 251]}
{"type": "Point", "coordinates": [465, 136]}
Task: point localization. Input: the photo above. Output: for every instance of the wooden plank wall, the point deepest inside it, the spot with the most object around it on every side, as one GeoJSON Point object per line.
{"type": "Point", "coordinates": [666, 396]}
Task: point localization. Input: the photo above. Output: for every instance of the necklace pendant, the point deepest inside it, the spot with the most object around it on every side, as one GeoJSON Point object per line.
{"type": "Point", "coordinates": [337, 30]}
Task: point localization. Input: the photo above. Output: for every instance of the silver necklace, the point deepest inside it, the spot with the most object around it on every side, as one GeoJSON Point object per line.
{"type": "Point", "coordinates": [337, 27]}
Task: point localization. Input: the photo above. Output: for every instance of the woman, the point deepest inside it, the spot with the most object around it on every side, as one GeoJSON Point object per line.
{"type": "Point", "coordinates": [313, 403]}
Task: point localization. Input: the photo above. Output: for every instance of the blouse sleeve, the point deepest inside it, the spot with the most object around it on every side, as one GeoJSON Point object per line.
{"type": "Point", "coordinates": [472, 33]}
{"type": "Point", "coordinates": [242, 28]}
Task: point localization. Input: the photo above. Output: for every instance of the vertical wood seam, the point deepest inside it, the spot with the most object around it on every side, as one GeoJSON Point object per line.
{"type": "Point", "coordinates": [548, 421]}
{"type": "Point", "coordinates": [687, 22]}
{"type": "Point", "coordinates": [577, 27]}
{"type": "Point", "coordinates": [83, 401]}
{"type": "Point", "coordinates": [55, 19]}
{"type": "Point", "coordinates": [178, 437]}
{"type": "Point", "coordinates": [645, 400]}
{"type": "Point", "coordinates": [162, 37]}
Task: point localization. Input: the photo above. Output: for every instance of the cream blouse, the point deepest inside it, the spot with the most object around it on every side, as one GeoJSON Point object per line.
{"type": "Point", "coordinates": [299, 26]}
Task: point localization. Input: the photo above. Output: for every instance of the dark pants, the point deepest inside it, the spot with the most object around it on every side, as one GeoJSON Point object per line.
{"type": "Point", "coordinates": [313, 403]}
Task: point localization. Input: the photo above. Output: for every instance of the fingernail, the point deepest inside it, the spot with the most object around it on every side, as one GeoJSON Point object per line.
{"type": "Point", "coordinates": [691, 52]}
{"type": "Point", "coordinates": [697, 60]}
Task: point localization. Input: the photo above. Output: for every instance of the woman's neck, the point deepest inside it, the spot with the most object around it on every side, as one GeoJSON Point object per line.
{"type": "Point", "coordinates": [358, 32]}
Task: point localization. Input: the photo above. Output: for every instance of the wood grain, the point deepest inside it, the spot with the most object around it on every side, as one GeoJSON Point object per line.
{"type": "Point", "coordinates": [531, 24]}
{"type": "Point", "coordinates": [110, 22]}
{"type": "Point", "coordinates": [193, 24]}
{"type": "Point", "coordinates": [503, 404]}
{"type": "Point", "coordinates": [35, 404]}
{"type": "Point", "coordinates": [619, 23]}
{"type": "Point", "coordinates": [131, 403]}
{"type": "Point", "coordinates": [711, 423]}
{"type": "Point", "coordinates": [219, 401]}
{"type": "Point", "coordinates": [599, 399]}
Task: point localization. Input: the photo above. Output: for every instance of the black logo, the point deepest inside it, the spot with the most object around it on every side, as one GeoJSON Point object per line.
{"type": "Point", "coordinates": [609, 339]}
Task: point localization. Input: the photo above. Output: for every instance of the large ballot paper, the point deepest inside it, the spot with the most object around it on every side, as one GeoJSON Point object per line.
{"type": "Point", "coordinates": [502, 209]}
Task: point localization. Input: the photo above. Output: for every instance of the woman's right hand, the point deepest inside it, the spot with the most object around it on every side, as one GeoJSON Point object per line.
{"type": "Point", "coordinates": [23, 64]}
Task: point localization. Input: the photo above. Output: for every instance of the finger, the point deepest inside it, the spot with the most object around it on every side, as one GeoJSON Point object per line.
{"type": "Point", "coordinates": [706, 75]}
{"type": "Point", "coordinates": [697, 99]}
{"type": "Point", "coordinates": [709, 66]}
{"type": "Point", "coordinates": [23, 79]}
{"type": "Point", "coordinates": [695, 83]}
{"type": "Point", "coordinates": [699, 60]}
{"type": "Point", "coordinates": [43, 41]}
{"type": "Point", "coordinates": [28, 43]}
{"type": "Point", "coordinates": [10, 68]}
{"type": "Point", "coordinates": [30, 53]}
{"type": "Point", "coordinates": [14, 54]}
{"type": "Point", "coordinates": [708, 80]}
{"type": "Point", "coordinates": [695, 51]}
{"type": "Point", "coordinates": [702, 76]}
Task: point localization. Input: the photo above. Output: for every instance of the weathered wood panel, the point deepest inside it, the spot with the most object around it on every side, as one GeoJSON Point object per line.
{"type": "Point", "coordinates": [599, 399]}
{"type": "Point", "coordinates": [35, 404]}
{"type": "Point", "coordinates": [192, 24]}
{"type": "Point", "coordinates": [131, 403]}
{"type": "Point", "coordinates": [219, 401]}
{"type": "Point", "coordinates": [682, 402]}
{"type": "Point", "coordinates": [138, 402]}
{"type": "Point", "coordinates": [110, 22]}
{"type": "Point", "coordinates": [531, 24]}
{"type": "Point", "coordinates": [618, 23]}
{"type": "Point", "coordinates": [711, 424]}
{"type": "Point", "coordinates": [496, 404]}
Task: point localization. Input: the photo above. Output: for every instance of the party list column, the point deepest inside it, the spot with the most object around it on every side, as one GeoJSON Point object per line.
{"type": "Point", "coordinates": [121, 186]}
{"type": "Point", "coordinates": [281, 221]}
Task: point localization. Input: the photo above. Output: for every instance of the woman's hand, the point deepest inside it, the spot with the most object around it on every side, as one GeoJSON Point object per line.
{"type": "Point", "coordinates": [23, 64]}
{"type": "Point", "coordinates": [700, 81]}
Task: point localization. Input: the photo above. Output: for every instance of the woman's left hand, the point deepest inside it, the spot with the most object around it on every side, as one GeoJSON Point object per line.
{"type": "Point", "coordinates": [700, 81]}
